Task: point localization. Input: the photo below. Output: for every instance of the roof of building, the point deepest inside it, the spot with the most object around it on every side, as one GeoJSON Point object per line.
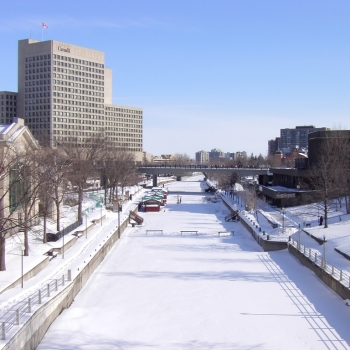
{"type": "Point", "coordinates": [5, 128]}
{"type": "Point", "coordinates": [11, 132]}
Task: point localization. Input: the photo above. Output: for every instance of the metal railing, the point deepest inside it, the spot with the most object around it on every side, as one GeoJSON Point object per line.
{"type": "Point", "coordinates": [12, 317]}
{"type": "Point", "coordinates": [199, 166]}
{"type": "Point", "coordinates": [314, 255]}
{"type": "Point", "coordinates": [69, 228]}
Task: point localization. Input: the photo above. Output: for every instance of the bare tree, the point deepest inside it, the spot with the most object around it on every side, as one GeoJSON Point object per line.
{"type": "Point", "coordinates": [45, 198]}
{"type": "Point", "coordinates": [117, 169]}
{"type": "Point", "coordinates": [329, 172]}
{"type": "Point", "coordinates": [181, 159]}
{"type": "Point", "coordinates": [17, 194]}
{"type": "Point", "coordinates": [29, 187]}
{"type": "Point", "coordinates": [55, 168]}
{"type": "Point", "coordinates": [84, 157]}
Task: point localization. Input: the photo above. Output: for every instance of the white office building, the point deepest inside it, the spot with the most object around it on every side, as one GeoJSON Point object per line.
{"type": "Point", "coordinates": [65, 94]}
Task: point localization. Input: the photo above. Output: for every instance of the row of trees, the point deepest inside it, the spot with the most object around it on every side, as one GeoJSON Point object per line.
{"type": "Point", "coordinates": [35, 181]}
{"type": "Point", "coordinates": [248, 193]}
{"type": "Point", "coordinates": [329, 174]}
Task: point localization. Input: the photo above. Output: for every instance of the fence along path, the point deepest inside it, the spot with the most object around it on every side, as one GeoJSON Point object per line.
{"type": "Point", "coordinates": [24, 307]}
{"type": "Point", "coordinates": [313, 255]}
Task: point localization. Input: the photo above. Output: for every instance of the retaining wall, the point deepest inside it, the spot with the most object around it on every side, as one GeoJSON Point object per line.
{"type": "Point", "coordinates": [267, 245]}
{"type": "Point", "coordinates": [264, 243]}
{"type": "Point", "coordinates": [28, 275]}
{"type": "Point", "coordinates": [69, 243]}
{"type": "Point", "coordinates": [329, 280]}
{"type": "Point", "coordinates": [33, 330]}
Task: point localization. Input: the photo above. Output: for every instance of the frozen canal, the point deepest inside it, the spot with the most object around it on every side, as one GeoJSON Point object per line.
{"type": "Point", "coordinates": [199, 292]}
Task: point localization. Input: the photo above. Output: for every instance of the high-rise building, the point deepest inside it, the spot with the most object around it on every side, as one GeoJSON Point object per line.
{"type": "Point", "coordinates": [8, 106]}
{"type": "Point", "coordinates": [240, 155]}
{"type": "Point", "coordinates": [202, 157]}
{"type": "Point", "coordinates": [298, 137]}
{"type": "Point", "coordinates": [216, 153]}
{"type": "Point", "coordinates": [123, 127]}
{"type": "Point", "coordinates": [273, 146]}
{"type": "Point", "coordinates": [229, 155]}
{"type": "Point", "coordinates": [65, 94]}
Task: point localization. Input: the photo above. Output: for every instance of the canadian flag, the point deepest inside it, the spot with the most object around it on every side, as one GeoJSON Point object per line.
{"type": "Point", "coordinates": [44, 25]}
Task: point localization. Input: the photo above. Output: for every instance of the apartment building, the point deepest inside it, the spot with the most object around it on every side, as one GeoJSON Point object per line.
{"type": "Point", "coordinates": [297, 137]}
{"type": "Point", "coordinates": [202, 157]}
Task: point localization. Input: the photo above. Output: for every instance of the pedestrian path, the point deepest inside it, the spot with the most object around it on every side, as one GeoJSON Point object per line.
{"type": "Point", "coordinates": [52, 268]}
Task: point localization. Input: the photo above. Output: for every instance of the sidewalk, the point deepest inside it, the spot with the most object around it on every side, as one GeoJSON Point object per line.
{"type": "Point", "coordinates": [73, 257]}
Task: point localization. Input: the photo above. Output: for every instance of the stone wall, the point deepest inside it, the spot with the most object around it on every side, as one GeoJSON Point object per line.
{"type": "Point", "coordinates": [31, 273]}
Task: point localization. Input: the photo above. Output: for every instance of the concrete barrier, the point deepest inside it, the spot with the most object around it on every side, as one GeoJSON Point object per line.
{"type": "Point", "coordinates": [70, 241]}
{"type": "Point", "coordinates": [266, 244]}
{"type": "Point", "coordinates": [33, 330]}
{"type": "Point", "coordinates": [96, 221]}
{"type": "Point", "coordinates": [29, 274]}
{"type": "Point", "coordinates": [326, 278]}
{"type": "Point", "coordinates": [84, 232]}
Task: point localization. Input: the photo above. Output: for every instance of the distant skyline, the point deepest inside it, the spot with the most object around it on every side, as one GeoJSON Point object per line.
{"type": "Point", "coordinates": [221, 74]}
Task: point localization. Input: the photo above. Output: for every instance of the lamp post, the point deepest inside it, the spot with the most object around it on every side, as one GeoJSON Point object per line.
{"type": "Point", "coordinates": [324, 252]}
{"type": "Point", "coordinates": [86, 219]}
{"type": "Point", "coordinates": [22, 253]}
{"type": "Point", "coordinates": [118, 220]}
{"type": "Point", "coordinates": [298, 245]}
{"type": "Point", "coordinates": [283, 212]}
{"type": "Point", "coordinates": [63, 244]}
{"type": "Point", "coordinates": [101, 212]}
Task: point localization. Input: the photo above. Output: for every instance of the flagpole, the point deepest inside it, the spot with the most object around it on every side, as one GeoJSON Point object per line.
{"type": "Point", "coordinates": [42, 32]}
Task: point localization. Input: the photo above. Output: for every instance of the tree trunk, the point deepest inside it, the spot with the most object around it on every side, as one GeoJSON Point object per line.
{"type": "Point", "coordinates": [113, 193]}
{"type": "Point", "coordinates": [44, 235]}
{"type": "Point", "coordinates": [26, 241]}
{"type": "Point", "coordinates": [326, 212]}
{"type": "Point", "coordinates": [58, 212]}
{"type": "Point", "coordinates": [340, 200]}
{"type": "Point", "coordinates": [2, 252]}
{"type": "Point", "coordinates": [80, 202]}
{"type": "Point", "coordinates": [347, 204]}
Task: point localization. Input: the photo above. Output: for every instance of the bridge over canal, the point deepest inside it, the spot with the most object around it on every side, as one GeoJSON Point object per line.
{"type": "Point", "coordinates": [181, 170]}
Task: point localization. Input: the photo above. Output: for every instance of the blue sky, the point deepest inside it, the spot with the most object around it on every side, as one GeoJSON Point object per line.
{"type": "Point", "coordinates": [208, 74]}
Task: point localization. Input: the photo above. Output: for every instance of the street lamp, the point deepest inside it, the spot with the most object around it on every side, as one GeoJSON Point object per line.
{"type": "Point", "coordinates": [63, 244]}
{"type": "Point", "coordinates": [22, 253]}
{"type": "Point", "coordinates": [86, 217]}
{"type": "Point", "coordinates": [283, 212]}
{"type": "Point", "coordinates": [324, 252]}
{"type": "Point", "coordinates": [118, 220]}
{"type": "Point", "coordinates": [101, 212]}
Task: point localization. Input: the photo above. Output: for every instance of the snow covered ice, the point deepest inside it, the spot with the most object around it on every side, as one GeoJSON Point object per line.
{"type": "Point", "coordinates": [205, 291]}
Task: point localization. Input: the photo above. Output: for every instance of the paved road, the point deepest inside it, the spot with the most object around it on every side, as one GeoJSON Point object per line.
{"type": "Point", "coordinates": [173, 291]}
